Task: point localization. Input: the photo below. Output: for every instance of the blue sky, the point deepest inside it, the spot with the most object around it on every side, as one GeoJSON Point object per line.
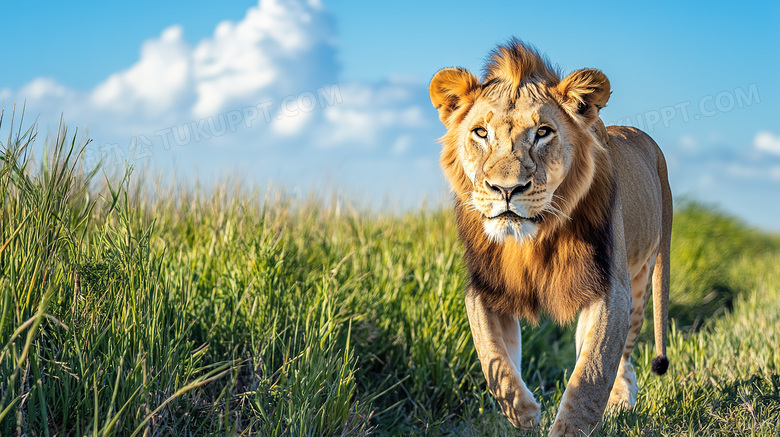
{"type": "Point", "coordinates": [700, 77]}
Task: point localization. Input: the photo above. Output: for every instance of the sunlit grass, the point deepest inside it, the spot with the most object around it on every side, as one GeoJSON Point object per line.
{"type": "Point", "coordinates": [137, 305]}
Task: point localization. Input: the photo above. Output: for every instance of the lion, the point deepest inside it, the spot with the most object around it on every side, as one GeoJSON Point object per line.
{"type": "Point", "coordinates": [556, 213]}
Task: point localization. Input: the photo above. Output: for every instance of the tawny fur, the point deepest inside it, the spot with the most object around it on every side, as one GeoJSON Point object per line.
{"type": "Point", "coordinates": [593, 225]}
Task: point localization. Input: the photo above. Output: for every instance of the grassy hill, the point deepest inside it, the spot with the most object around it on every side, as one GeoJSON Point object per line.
{"type": "Point", "coordinates": [137, 305]}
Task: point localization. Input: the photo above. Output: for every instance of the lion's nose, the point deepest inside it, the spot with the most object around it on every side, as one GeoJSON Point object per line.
{"type": "Point", "coordinates": [507, 192]}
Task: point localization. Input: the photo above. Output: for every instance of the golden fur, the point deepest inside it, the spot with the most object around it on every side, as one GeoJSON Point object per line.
{"type": "Point", "coordinates": [556, 214]}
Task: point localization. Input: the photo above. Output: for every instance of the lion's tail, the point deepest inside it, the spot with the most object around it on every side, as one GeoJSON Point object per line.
{"type": "Point", "coordinates": [661, 274]}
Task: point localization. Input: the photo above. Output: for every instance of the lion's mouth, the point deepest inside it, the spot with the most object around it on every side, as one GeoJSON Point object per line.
{"type": "Point", "coordinates": [511, 214]}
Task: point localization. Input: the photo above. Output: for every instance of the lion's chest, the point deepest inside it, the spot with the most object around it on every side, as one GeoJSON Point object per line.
{"type": "Point", "coordinates": [559, 276]}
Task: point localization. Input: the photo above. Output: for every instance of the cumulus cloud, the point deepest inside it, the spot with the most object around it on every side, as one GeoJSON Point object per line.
{"type": "Point", "coordinates": [767, 142]}
{"type": "Point", "coordinates": [280, 47]}
{"type": "Point", "coordinates": [261, 73]}
{"type": "Point", "coordinates": [154, 85]}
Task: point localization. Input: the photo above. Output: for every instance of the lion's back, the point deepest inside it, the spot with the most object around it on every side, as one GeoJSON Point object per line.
{"type": "Point", "coordinates": [641, 169]}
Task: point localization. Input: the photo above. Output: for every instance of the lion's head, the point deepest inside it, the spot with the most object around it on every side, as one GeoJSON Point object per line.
{"type": "Point", "coordinates": [519, 149]}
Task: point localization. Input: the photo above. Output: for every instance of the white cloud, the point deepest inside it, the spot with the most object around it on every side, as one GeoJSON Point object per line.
{"type": "Point", "coordinates": [370, 113]}
{"type": "Point", "coordinates": [767, 142]}
{"type": "Point", "coordinates": [156, 84]}
{"type": "Point", "coordinates": [44, 87]}
{"type": "Point", "coordinates": [243, 63]}
{"type": "Point", "coordinates": [280, 48]}
{"type": "Point", "coordinates": [45, 95]}
{"type": "Point", "coordinates": [264, 49]}
{"type": "Point", "coordinates": [290, 125]}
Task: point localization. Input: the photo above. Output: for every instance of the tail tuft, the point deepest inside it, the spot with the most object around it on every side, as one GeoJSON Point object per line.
{"type": "Point", "coordinates": [660, 364]}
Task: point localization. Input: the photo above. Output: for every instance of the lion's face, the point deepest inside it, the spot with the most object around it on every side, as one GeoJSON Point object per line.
{"type": "Point", "coordinates": [516, 153]}
{"type": "Point", "coordinates": [518, 144]}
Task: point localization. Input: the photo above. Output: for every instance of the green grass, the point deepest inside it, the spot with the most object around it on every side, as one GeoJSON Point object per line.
{"type": "Point", "coordinates": [138, 306]}
{"type": "Point", "coordinates": [707, 277]}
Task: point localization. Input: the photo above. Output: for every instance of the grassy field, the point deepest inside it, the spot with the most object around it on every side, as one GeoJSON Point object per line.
{"type": "Point", "coordinates": [138, 305]}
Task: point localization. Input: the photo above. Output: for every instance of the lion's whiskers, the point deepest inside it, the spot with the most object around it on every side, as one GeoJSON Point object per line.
{"type": "Point", "coordinates": [556, 210]}
{"type": "Point", "coordinates": [565, 202]}
{"type": "Point", "coordinates": [469, 205]}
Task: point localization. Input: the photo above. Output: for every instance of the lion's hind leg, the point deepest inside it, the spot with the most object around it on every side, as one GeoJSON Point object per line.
{"type": "Point", "coordinates": [624, 392]}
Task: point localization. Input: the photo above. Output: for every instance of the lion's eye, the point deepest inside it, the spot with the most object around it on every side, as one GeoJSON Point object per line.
{"type": "Point", "coordinates": [543, 132]}
{"type": "Point", "coordinates": [480, 132]}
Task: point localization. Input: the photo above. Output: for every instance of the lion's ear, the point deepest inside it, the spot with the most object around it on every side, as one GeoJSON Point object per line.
{"type": "Point", "coordinates": [452, 89]}
{"type": "Point", "coordinates": [583, 93]}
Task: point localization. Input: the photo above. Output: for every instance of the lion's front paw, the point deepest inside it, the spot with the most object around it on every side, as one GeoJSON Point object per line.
{"type": "Point", "coordinates": [570, 427]}
{"type": "Point", "coordinates": [522, 411]}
